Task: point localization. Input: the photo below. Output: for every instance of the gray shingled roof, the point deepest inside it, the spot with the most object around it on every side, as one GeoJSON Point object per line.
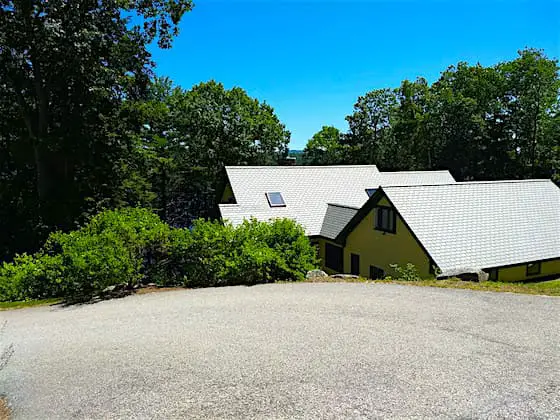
{"type": "Point", "coordinates": [483, 224]}
{"type": "Point", "coordinates": [336, 217]}
{"type": "Point", "coordinates": [308, 189]}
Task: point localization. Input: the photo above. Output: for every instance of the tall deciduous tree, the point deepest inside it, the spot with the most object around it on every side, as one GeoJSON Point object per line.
{"type": "Point", "coordinates": [190, 136]}
{"type": "Point", "coordinates": [324, 148]}
{"type": "Point", "coordinates": [370, 126]}
{"type": "Point", "coordinates": [65, 68]}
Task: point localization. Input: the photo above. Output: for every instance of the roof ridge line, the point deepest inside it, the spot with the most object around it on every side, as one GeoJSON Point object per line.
{"type": "Point", "coordinates": [504, 181]}
{"type": "Point", "coordinates": [414, 172]}
{"type": "Point", "coordinates": [298, 166]}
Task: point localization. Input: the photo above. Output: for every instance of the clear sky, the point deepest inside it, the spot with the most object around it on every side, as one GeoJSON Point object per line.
{"type": "Point", "coordinates": [311, 59]}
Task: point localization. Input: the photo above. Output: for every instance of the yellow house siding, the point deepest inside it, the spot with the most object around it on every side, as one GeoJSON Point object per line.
{"type": "Point", "coordinates": [227, 196]}
{"type": "Point", "coordinates": [519, 272]}
{"type": "Point", "coordinates": [381, 249]}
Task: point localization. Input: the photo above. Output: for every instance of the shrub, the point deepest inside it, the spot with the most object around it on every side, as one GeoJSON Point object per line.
{"type": "Point", "coordinates": [407, 273]}
{"type": "Point", "coordinates": [93, 262]}
{"type": "Point", "coordinates": [294, 253]}
{"type": "Point", "coordinates": [38, 276]}
{"type": "Point", "coordinates": [133, 245]}
{"type": "Point", "coordinates": [254, 252]}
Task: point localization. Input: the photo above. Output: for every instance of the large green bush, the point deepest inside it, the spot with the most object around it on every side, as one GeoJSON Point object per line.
{"type": "Point", "coordinates": [133, 245]}
{"type": "Point", "coordinates": [39, 276]}
{"type": "Point", "coordinates": [215, 254]}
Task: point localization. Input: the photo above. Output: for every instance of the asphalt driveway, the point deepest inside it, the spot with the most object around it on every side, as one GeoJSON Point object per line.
{"type": "Point", "coordinates": [288, 351]}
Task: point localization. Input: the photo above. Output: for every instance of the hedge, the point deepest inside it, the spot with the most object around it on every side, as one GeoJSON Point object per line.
{"type": "Point", "coordinates": [132, 245]}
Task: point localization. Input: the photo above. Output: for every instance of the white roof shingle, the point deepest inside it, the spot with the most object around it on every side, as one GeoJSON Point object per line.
{"type": "Point", "coordinates": [483, 224]}
{"type": "Point", "coordinates": [307, 190]}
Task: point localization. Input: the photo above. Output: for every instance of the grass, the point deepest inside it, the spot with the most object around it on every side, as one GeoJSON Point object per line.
{"type": "Point", "coordinates": [548, 288]}
{"type": "Point", "coordinates": [28, 303]}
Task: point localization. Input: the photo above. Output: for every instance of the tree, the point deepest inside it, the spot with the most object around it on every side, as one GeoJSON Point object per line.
{"type": "Point", "coordinates": [324, 148]}
{"type": "Point", "coordinates": [533, 89]}
{"type": "Point", "coordinates": [370, 126]}
{"type": "Point", "coordinates": [65, 70]}
{"type": "Point", "coordinates": [192, 135]}
{"type": "Point", "coordinates": [410, 150]}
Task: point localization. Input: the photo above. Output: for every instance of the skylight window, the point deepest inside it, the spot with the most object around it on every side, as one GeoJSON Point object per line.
{"type": "Point", "coordinates": [275, 199]}
{"type": "Point", "coordinates": [370, 191]}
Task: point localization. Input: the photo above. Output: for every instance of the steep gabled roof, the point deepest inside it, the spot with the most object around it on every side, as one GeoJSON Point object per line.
{"type": "Point", "coordinates": [307, 190]}
{"type": "Point", "coordinates": [479, 224]}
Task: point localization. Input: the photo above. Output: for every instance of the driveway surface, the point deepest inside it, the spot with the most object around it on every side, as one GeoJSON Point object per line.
{"type": "Point", "coordinates": [288, 351]}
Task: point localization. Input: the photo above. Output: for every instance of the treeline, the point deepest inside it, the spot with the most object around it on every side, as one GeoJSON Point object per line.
{"type": "Point", "coordinates": [86, 126]}
{"type": "Point", "coordinates": [481, 123]}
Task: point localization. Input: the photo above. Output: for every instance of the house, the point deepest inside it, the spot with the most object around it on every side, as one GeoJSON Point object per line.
{"type": "Point", "coordinates": [363, 220]}
{"type": "Point", "coordinates": [509, 229]}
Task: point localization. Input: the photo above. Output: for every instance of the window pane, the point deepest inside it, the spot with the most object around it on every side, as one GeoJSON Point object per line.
{"type": "Point", "coordinates": [391, 220]}
{"type": "Point", "coordinates": [370, 191]}
{"type": "Point", "coordinates": [533, 269]}
{"type": "Point", "coordinates": [275, 199]}
{"type": "Point", "coordinates": [383, 218]}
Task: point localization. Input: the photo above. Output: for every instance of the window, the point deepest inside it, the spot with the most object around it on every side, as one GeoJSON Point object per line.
{"type": "Point", "coordinates": [333, 257]}
{"type": "Point", "coordinates": [493, 274]}
{"type": "Point", "coordinates": [533, 269]}
{"type": "Point", "coordinates": [376, 273]}
{"type": "Point", "coordinates": [370, 191]}
{"type": "Point", "coordinates": [355, 264]}
{"type": "Point", "coordinates": [385, 219]}
{"type": "Point", "coordinates": [275, 199]}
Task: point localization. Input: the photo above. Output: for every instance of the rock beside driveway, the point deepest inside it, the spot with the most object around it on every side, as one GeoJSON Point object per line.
{"type": "Point", "coordinates": [313, 274]}
{"type": "Point", "coordinates": [344, 276]}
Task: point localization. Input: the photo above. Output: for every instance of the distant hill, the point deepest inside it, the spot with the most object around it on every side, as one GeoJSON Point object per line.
{"type": "Point", "coordinates": [298, 154]}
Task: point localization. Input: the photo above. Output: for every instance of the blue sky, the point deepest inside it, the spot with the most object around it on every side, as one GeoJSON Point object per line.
{"type": "Point", "coordinates": [311, 59]}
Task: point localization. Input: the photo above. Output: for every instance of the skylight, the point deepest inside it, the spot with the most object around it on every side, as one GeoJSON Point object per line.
{"type": "Point", "coordinates": [275, 199]}
{"type": "Point", "coordinates": [370, 191]}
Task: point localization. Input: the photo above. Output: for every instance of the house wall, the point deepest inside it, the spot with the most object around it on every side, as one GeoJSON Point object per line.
{"type": "Point", "coordinates": [519, 272]}
{"type": "Point", "coordinates": [321, 253]}
{"type": "Point", "coordinates": [227, 196]}
{"type": "Point", "coordinates": [381, 249]}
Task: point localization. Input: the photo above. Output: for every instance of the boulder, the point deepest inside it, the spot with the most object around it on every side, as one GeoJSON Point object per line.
{"type": "Point", "coordinates": [344, 276]}
{"type": "Point", "coordinates": [313, 274]}
{"type": "Point", "coordinates": [467, 274]}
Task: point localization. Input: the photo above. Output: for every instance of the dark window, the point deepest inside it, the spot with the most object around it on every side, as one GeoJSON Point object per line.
{"type": "Point", "coordinates": [493, 274]}
{"type": "Point", "coordinates": [355, 264]}
{"type": "Point", "coordinates": [376, 273]}
{"type": "Point", "coordinates": [370, 191]}
{"type": "Point", "coordinates": [333, 257]}
{"type": "Point", "coordinates": [533, 269]}
{"type": "Point", "coordinates": [275, 199]}
{"type": "Point", "coordinates": [386, 219]}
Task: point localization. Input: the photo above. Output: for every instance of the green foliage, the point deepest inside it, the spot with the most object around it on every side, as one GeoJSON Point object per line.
{"type": "Point", "coordinates": [133, 245]}
{"type": "Point", "coordinates": [36, 277]}
{"type": "Point", "coordinates": [65, 71]}
{"type": "Point", "coordinates": [216, 254]}
{"type": "Point", "coordinates": [482, 123]}
{"type": "Point", "coordinates": [407, 273]}
{"type": "Point", "coordinates": [324, 148]}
